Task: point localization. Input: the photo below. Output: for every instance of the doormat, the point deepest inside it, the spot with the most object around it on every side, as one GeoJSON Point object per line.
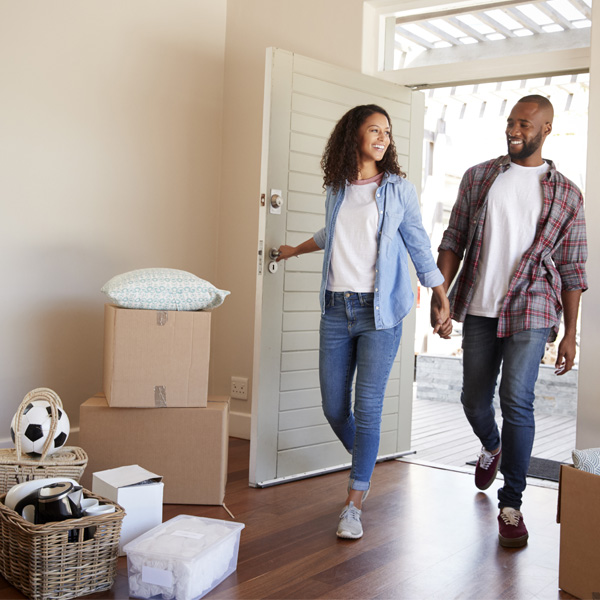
{"type": "Point", "coordinates": [540, 468]}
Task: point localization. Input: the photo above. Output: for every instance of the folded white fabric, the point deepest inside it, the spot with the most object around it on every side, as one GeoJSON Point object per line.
{"type": "Point", "coordinates": [185, 571]}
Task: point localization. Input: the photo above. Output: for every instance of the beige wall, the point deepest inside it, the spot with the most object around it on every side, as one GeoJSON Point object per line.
{"type": "Point", "coordinates": [588, 410]}
{"type": "Point", "coordinates": [131, 137]}
{"type": "Point", "coordinates": [110, 154]}
{"type": "Point", "coordinates": [328, 30]}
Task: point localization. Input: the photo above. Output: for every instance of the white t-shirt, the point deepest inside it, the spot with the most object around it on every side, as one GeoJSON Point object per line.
{"type": "Point", "coordinates": [354, 250]}
{"type": "Point", "coordinates": [514, 208]}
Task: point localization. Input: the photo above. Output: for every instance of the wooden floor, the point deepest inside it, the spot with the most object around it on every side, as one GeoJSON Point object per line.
{"type": "Point", "coordinates": [429, 534]}
{"type": "Point", "coordinates": [442, 435]}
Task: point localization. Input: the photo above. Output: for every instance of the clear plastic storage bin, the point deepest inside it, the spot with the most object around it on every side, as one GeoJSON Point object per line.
{"type": "Point", "coordinates": [183, 558]}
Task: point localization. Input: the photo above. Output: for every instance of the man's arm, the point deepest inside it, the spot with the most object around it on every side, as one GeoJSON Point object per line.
{"type": "Point", "coordinates": [567, 347]}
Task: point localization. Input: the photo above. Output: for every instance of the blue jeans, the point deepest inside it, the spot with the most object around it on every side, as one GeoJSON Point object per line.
{"type": "Point", "coordinates": [350, 343]}
{"type": "Point", "coordinates": [520, 356]}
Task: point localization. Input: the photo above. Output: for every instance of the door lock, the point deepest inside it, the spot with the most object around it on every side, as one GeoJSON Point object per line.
{"type": "Point", "coordinates": [276, 202]}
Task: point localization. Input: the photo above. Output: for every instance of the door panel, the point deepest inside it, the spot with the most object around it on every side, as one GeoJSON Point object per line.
{"type": "Point", "coordinates": [304, 99]}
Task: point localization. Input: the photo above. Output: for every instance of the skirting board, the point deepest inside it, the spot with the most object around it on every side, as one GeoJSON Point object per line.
{"type": "Point", "coordinates": [239, 425]}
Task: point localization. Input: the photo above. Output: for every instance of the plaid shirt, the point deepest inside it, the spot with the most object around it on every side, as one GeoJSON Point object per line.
{"type": "Point", "coordinates": [554, 262]}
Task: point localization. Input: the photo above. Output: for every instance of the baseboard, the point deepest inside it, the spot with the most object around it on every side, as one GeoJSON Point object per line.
{"type": "Point", "coordinates": [239, 425]}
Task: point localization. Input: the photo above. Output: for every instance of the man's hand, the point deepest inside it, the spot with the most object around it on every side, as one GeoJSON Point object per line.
{"type": "Point", "coordinates": [566, 355]}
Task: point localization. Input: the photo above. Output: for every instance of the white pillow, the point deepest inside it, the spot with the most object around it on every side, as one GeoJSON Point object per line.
{"type": "Point", "coordinates": [163, 289]}
{"type": "Point", "coordinates": [587, 460]}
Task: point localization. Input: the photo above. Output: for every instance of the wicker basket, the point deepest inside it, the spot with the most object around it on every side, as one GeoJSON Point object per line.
{"type": "Point", "coordinates": [69, 461]}
{"type": "Point", "coordinates": [40, 561]}
{"type": "Point", "coordinates": [15, 468]}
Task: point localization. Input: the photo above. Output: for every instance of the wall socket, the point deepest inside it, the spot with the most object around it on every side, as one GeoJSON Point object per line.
{"type": "Point", "coordinates": [239, 388]}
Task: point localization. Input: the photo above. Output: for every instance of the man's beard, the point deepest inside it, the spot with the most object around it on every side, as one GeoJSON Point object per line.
{"type": "Point", "coordinates": [528, 148]}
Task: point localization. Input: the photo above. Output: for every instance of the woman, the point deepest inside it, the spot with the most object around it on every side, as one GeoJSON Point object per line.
{"type": "Point", "coordinates": [371, 219]}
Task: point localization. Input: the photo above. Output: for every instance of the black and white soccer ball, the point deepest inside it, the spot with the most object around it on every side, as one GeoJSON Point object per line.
{"type": "Point", "coordinates": [36, 421]}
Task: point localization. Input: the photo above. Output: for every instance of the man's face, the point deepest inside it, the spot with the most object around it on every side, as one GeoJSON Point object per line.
{"type": "Point", "coordinates": [526, 129]}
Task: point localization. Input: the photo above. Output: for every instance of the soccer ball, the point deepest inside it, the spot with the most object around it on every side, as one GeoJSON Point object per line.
{"type": "Point", "coordinates": [35, 427]}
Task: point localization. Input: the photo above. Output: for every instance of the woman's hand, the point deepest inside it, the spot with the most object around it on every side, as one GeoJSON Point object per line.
{"type": "Point", "coordinates": [286, 252]}
{"type": "Point", "coordinates": [440, 313]}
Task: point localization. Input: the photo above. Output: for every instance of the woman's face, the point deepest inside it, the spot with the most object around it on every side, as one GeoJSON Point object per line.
{"type": "Point", "coordinates": [373, 138]}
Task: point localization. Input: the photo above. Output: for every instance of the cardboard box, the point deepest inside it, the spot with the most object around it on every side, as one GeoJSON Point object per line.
{"type": "Point", "coordinates": [156, 359]}
{"type": "Point", "coordinates": [579, 518]}
{"type": "Point", "coordinates": [187, 446]}
{"type": "Point", "coordinates": [139, 492]}
{"type": "Point", "coordinates": [184, 558]}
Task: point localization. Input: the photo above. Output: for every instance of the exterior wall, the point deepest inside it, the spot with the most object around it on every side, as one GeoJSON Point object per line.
{"type": "Point", "coordinates": [111, 141]}
{"type": "Point", "coordinates": [440, 378]}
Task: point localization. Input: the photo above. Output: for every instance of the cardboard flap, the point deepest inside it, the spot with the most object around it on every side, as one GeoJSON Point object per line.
{"type": "Point", "coordinates": [560, 478]}
{"type": "Point", "coordinates": [128, 476]}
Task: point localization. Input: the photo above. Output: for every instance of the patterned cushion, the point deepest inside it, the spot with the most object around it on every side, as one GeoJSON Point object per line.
{"type": "Point", "coordinates": [163, 289]}
{"type": "Point", "coordinates": [587, 460]}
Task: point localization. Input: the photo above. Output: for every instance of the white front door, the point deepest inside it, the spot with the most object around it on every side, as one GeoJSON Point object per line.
{"type": "Point", "coordinates": [304, 98]}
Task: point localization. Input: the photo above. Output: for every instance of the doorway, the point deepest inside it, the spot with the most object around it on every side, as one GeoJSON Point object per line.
{"type": "Point", "coordinates": [464, 125]}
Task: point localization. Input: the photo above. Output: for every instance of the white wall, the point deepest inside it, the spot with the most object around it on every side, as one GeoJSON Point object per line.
{"type": "Point", "coordinates": [110, 154]}
{"type": "Point", "coordinates": [328, 30]}
{"type": "Point", "coordinates": [588, 411]}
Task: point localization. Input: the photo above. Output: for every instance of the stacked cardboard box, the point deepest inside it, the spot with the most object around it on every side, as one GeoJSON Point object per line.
{"type": "Point", "coordinates": [579, 520]}
{"type": "Point", "coordinates": [155, 410]}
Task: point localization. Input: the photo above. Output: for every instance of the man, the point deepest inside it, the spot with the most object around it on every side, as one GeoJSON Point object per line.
{"type": "Point", "coordinates": [518, 227]}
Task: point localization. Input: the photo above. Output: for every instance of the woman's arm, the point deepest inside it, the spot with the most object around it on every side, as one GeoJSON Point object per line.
{"type": "Point", "coordinates": [286, 252]}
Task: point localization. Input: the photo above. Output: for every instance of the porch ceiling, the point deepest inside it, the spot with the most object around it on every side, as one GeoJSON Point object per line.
{"type": "Point", "coordinates": [504, 28]}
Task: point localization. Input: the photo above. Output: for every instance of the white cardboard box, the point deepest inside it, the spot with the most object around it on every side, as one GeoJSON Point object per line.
{"type": "Point", "coordinates": [139, 492]}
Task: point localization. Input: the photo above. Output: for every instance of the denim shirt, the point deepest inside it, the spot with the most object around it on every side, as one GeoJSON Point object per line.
{"type": "Point", "coordinates": [400, 229]}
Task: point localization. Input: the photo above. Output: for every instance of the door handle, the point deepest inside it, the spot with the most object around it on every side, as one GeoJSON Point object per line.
{"type": "Point", "coordinates": [274, 253]}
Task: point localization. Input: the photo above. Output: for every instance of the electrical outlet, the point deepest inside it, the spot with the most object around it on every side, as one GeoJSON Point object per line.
{"type": "Point", "coordinates": [239, 388]}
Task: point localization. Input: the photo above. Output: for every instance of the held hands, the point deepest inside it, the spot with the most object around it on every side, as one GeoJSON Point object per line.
{"type": "Point", "coordinates": [440, 313]}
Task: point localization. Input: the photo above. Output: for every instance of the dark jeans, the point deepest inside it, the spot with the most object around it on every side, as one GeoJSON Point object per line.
{"type": "Point", "coordinates": [520, 356]}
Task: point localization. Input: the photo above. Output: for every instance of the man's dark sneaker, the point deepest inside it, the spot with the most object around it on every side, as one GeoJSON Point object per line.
{"type": "Point", "coordinates": [486, 469]}
{"type": "Point", "coordinates": [512, 530]}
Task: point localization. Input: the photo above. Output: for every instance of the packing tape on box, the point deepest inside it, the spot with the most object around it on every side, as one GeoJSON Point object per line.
{"type": "Point", "coordinates": [160, 396]}
{"type": "Point", "coordinates": [162, 316]}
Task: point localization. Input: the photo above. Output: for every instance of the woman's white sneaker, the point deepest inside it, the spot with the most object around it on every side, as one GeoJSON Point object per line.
{"type": "Point", "coordinates": [350, 526]}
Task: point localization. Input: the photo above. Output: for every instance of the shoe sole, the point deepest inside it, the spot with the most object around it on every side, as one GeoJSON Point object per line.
{"type": "Point", "coordinates": [346, 535]}
{"type": "Point", "coordinates": [513, 542]}
{"type": "Point", "coordinates": [492, 479]}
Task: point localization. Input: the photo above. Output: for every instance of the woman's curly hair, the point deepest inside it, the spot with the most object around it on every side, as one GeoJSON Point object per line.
{"type": "Point", "coordinates": [340, 159]}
